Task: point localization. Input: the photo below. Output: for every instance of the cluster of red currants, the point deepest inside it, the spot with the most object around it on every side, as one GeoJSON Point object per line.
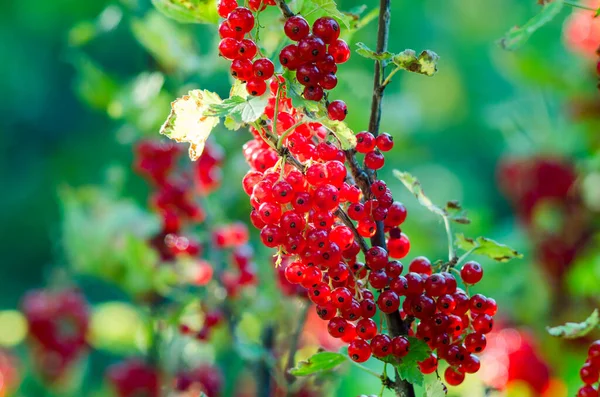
{"type": "Point", "coordinates": [205, 379]}
{"type": "Point", "coordinates": [590, 372]}
{"type": "Point", "coordinates": [58, 324]}
{"type": "Point", "coordinates": [134, 377]}
{"type": "Point", "coordinates": [450, 321]}
{"type": "Point", "coordinates": [315, 58]}
{"type": "Point", "coordinates": [234, 45]}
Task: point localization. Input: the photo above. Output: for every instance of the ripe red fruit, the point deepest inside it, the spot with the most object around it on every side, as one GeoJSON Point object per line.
{"type": "Point", "coordinates": [453, 377]}
{"type": "Point", "coordinates": [471, 272]}
{"type": "Point", "coordinates": [340, 51]}
{"type": "Point", "coordinates": [420, 265]}
{"type": "Point", "coordinates": [359, 350]}
{"type": "Point", "coordinates": [483, 323]}
{"type": "Point", "coordinates": [399, 247]}
{"type": "Point", "coordinates": [256, 87]}
{"type": "Point", "coordinates": [337, 110]}
{"type": "Point", "coordinates": [400, 346]}
{"type": "Point", "coordinates": [337, 327]}
{"type": "Point", "coordinates": [224, 7]}
{"type": "Point", "coordinates": [429, 365]}
{"type": "Point", "coordinates": [381, 345]}
{"type": "Point", "coordinates": [587, 391]}
{"type": "Point", "coordinates": [311, 48]}
{"type": "Point", "coordinates": [229, 48]}
{"type": "Point", "coordinates": [241, 69]}
{"type": "Point", "coordinates": [241, 20]}
{"type": "Point", "coordinates": [289, 57]}
{"type": "Point", "coordinates": [296, 28]}
{"type": "Point", "coordinates": [435, 285]}
{"type": "Point", "coordinates": [385, 142]}
{"type": "Point", "coordinates": [263, 68]}
{"type": "Point", "coordinates": [365, 142]}
{"type": "Point", "coordinates": [475, 342]}
{"type": "Point", "coordinates": [327, 29]}
{"type": "Point", "coordinates": [247, 49]}
{"type": "Point", "coordinates": [374, 160]}
{"type": "Point", "coordinates": [328, 81]}
{"type": "Point", "coordinates": [388, 301]}
{"type": "Point", "coordinates": [589, 374]}
{"type": "Point", "coordinates": [313, 93]}
{"type": "Point", "coordinates": [366, 328]}
{"type": "Point", "coordinates": [376, 258]}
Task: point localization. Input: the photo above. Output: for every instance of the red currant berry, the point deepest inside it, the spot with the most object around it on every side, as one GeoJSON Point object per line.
{"type": "Point", "coordinates": [429, 365]}
{"type": "Point", "coordinates": [337, 327]}
{"type": "Point", "coordinates": [224, 7]}
{"type": "Point", "coordinates": [365, 142]}
{"type": "Point", "coordinates": [435, 285]}
{"type": "Point", "coordinates": [453, 377]}
{"type": "Point", "coordinates": [587, 391]}
{"type": "Point", "coordinates": [229, 48]}
{"type": "Point", "coordinates": [483, 323]}
{"type": "Point", "coordinates": [475, 342]}
{"type": "Point", "coordinates": [374, 160]}
{"type": "Point", "coordinates": [399, 247]}
{"type": "Point", "coordinates": [296, 28]}
{"type": "Point", "coordinates": [326, 312]}
{"type": "Point", "coordinates": [328, 81]}
{"type": "Point", "coordinates": [313, 93]}
{"type": "Point", "coordinates": [294, 272]}
{"type": "Point", "coordinates": [400, 346]}
{"type": "Point", "coordinates": [471, 272]}
{"type": "Point", "coordinates": [381, 345]}
{"type": "Point", "coordinates": [289, 57]}
{"type": "Point", "coordinates": [340, 51]}
{"type": "Point", "coordinates": [359, 350]}
{"type": "Point", "coordinates": [256, 87]}
{"type": "Point", "coordinates": [366, 328]}
{"type": "Point", "coordinates": [385, 142]}
{"type": "Point", "coordinates": [241, 20]}
{"type": "Point", "coordinates": [589, 374]}
{"type": "Point", "coordinates": [337, 110]}
{"type": "Point", "coordinates": [241, 69]}
{"type": "Point", "coordinates": [327, 29]}
{"type": "Point", "coordinates": [247, 49]}
{"type": "Point", "coordinates": [263, 68]}
{"type": "Point", "coordinates": [312, 49]}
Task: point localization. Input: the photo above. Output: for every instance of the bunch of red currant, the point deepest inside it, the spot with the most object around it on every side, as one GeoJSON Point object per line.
{"type": "Point", "coordinates": [450, 321]}
{"type": "Point", "coordinates": [590, 372]}
{"type": "Point", "coordinates": [203, 379]}
{"type": "Point", "coordinates": [133, 378]}
{"type": "Point", "coordinates": [58, 323]}
{"type": "Point", "coordinates": [316, 55]}
{"type": "Point", "coordinates": [239, 22]}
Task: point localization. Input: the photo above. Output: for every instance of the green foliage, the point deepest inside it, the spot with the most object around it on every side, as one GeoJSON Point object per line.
{"type": "Point", "coordinates": [452, 211]}
{"type": "Point", "coordinates": [107, 237]}
{"type": "Point", "coordinates": [518, 35]}
{"type": "Point", "coordinates": [487, 247]}
{"type": "Point", "coordinates": [239, 110]}
{"type": "Point", "coordinates": [317, 363]}
{"type": "Point", "coordinates": [576, 330]}
{"type": "Point", "coordinates": [407, 367]}
{"type": "Point", "coordinates": [435, 389]}
{"type": "Point", "coordinates": [425, 63]}
{"type": "Point", "coordinates": [366, 52]}
{"type": "Point", "coordinates": [313, 9]}
{"type": "Point", "coordinates": [189, 11]}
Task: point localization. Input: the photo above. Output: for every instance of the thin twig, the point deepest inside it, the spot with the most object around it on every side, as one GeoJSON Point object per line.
{"type": "Point", "coordinates": [285, 10]}
{"type": "Point", "coordinates": [580, 6]}
{"type": "Point", "coordinates": [291, 361]}
{"type": "Point", "coordinates": [341, 214]}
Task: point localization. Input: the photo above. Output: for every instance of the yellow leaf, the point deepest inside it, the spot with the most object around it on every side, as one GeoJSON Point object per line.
{"type": "Point", "coordinates": [187, 121]}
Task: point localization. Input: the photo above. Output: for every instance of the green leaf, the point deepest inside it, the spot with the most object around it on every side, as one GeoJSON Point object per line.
{"type": "Point", "coordinates": [319, 362]}
{"type": "Point", "coordinates": [517, 36]}
{"type": "Point", "coordinates": [366, 52]}
{"type": "Point", "coordinates": [341, 131]}
{"type": "Point", "coordinates": [576, 330]}
{"type": "Point", "coordinates": [318, 8]}
{"type": "Point", "coordinates": [487, 247]}
{"type": "Point", "coordinates": [435, 389]}
{"type": "Point", "coordinates": [294, 92]}
{"type": "Point", "coordinates": [239, 110]}
{"type": "Point", "coordinates": [408, 368]}
{"type": "Point", "coordinates": [188, 121]}
{"type": "Point", "coordinates": [597, 13]}
{"type": "Point", "coordinates": [425, 63]}
{"type": "Point", "coordinates": [188, 11]}
{"type": "Point", "coordinates": [456, 213]}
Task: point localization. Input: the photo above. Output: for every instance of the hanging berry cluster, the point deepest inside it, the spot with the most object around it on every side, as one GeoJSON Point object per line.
{"type": "Point", "coordinates": [450, 321]}
{"type": "Point", "coordinates": [241, 50]}
{"type": "Point", "coordinates": [315, 58]}
{"type": "Point", "coordinates": [590, 372]}
{"type": "Point", "coordinates": [58, 324]}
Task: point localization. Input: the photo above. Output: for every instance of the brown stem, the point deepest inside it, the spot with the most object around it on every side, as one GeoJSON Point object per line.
{"type": "Point", "coordinates": [285, 10]}
{"type": "Point", "coordinates": [348, 222]}
{"type": "Point", "coordinates": [291, 362]}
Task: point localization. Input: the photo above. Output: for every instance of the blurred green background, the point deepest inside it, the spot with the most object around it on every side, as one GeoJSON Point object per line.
{"type": "Point", "coordinates": [81, 81]}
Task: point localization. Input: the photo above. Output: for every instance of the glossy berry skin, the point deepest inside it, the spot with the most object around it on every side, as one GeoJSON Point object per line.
{"type": "Point", "coordinates": [475, 342]}
{"type": "Point", "coordinates": [328, 81]}
{"type": "Point", "coordinates": [483, 323]}
{"type": "Point", "coordinates": [400, 346]}
{"type": "Point", "coordinates": [453, 377]}
{"type": "Point", "coordinates": [241, 20]}
{"type": "Point", "coordinates": [381, 345]}
{"type": "Point", "coordinates": [327, 29]}
{"type": "Point", "coordinates": [296, 28]}
{"type": "Point", "coordinates": [256, 87]}
{"type": "Point", "coordinates": [359, 350]}
{"type": "Point", "coordinates": [337, 327]}
{"type": "Point", "coordinates": [365, 142]}
{"type": "Point", "coordinates": [399, 247]}
{"type": "Point", "coordinates": [471, 273]}
{"type": "Point", "coordinates": [340, 51]}
{"type": "Point", "coordinates": [229, 48]}
{"type": "Point", "coordinates": [589, 374]}
{"type": "Point", "coordinates": [366, 328]}
{"type": "Point", "coordinates": [263, 68]}
{"type": "Point", "coordinates": [224, 7]}
{"type": "Point", "coordinates": [337, 110]}
{"type": "Point", "coordinates": [385, 142]}
{"type": "Point", "coordinates": [289, 57]}
{"type": "Point", "coordinates": [388, 301]}
{"type": "Point", "coordinates": [311, 48]}
{"type": "Point", "coordinates": [374, 160]}
{"type": "Point", "coordinates": [587, 391]}
{"type": "Point", "coordinates": [429, 365]}
{"type": "Point", "coordinates": [247, 49]}
{"type": "Point", "coordinates": [313, 93]}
